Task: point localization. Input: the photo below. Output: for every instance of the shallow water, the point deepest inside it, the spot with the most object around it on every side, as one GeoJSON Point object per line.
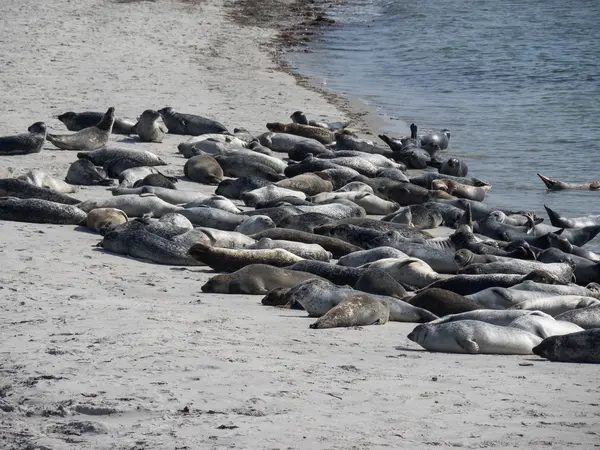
{"type": "Point", "coordinates": [516, 82]}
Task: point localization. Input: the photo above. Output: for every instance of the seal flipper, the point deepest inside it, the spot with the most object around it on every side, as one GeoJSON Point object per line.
{"type": "Point", "coordinates": [549, 182]}
{"type": "Point", "coordinates": [468, 345]}
{"type": "Point", "coordinates": [555, 218]}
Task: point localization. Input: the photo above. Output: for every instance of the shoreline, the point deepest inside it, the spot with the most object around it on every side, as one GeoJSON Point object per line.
{"type": "Point", "coordinates": [104, 351]}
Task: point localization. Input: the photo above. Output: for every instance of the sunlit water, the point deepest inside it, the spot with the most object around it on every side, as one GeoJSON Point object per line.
{"type": "Point", "coordinates": [516, 82]}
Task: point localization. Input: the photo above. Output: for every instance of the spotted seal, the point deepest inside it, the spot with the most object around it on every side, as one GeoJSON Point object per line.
{"type": "Point", "coordinates": [90, 138]}
{"type": "Point", "coordinates": [24, 144]}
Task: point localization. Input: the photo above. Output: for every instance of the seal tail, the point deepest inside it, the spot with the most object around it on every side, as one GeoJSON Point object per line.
{"type": "Point", "coordinates": [555, 218]}
{"type": "Point", "coordinates": [549, 182]}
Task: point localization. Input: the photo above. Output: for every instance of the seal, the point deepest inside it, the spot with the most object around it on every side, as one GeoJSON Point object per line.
{"type": "Point", "coordinates": [411, 271]}
{"type": "Point", "coordinates": [317, 297]}
{"type": "Point", "coordinates": [149, 246]}
{"type": "Point", "coordinates": [339, 275]}
{"type": "Point", "coordinates": [203, 169]}
{"type": "Point", "coordinates": [348, 141]}
{"type": "Point", "coordinates": [41, 179]}
{"type": "Point", "coordinates": [576, 222]}
{"type": "Point", "coordinates": [255, 224]}
{"type": "Point", "coordinates": [300, 117]}
{"type": "Point", "coordinates": [133, 205]}
{"type": "Point", "coordinates": [582, 347]}
{"type": "Point", "coordinates": [454, 167]}
{"type": "Point", "coordinates": [101, 219]}
{"type": "Point", "coordinates": [471, 284]}
{"type": "Point", "coordinates": [324, 136]}
{"type": "Point", "coordinates": [255, 279]}
{"type": "Point", "coordinates": [214, 201]}
{"type": "Point", "coordinates": [379, 282]}
{"type": "Point", "coordinates": [214, 238]}
{"type": "Point", "coordinates": [284, 142]}
{"type": "Point", "coordinates": [210, 143]}
{"type": "Point", "coordinates": [552, 287]}
{"type": "Point", "coordinates": [586, 318]}
{"type": "Point", "coordinates": [491, 316]}
{"type": "Point", "coordinates": [306, 222]}
{"type": "Point", "coordinates": [24, 144]}
{"type": "Point", "coordinates": [173, 196]}
{"type": "Point", "coordinates": [284, 201]}
{"type": "Point", "coordinates": [407, 194]}
{"type": "Point", "coordinates": [425, 180]}
{"type": "Point", "coordinates": [157, 180]}
{"type": "Point", "coordinates": [83, 172]}
{"type": "Point", "coordinates": [339, 176]}
{"type": "Point", "coordinates": [544, 326]}
{"type": "Point", "coordinates": [337, 247]}
{"type": "Point", "coordinates": [106, 154]}
{"type": "Point", "coordinates": [304, 148]}
{"type": "Point", "coordinates": [474, 337]}
{"type": "Point", "coordinates": [191, 124]}
{"type": "Point", "coordinates": [269, 193]}
{"type": "Point", "coordinates": [149, 129]}
{"type": "Point", "coordinates": [560, 271]}
{"type": "Point", "coordinates": [305, 251]}
{"type": "Point", "coordinates": [461, 190]}
{"type": "Point", "coordinates": [362, 257]}
{"type": "Point", "coordinates": [235, 188]}
{"type": "Point", "coordinates": [556, 185]}
{"type": "Point", "coordinates": [247, 165]}
{"type": "Point", "coordinates": [90, 138]}
{"type": "Point", "coordinates": [355, 311]}
{"type": "Point", "coordinates": [35, 210]}
{"type": "Point", "coordinates": [230, 260]}
{"type": "Point", "coordinates": [129, 177]}
{"type": "Point", "coordinates": [586, 271]}
{"type": "Point", "coordinates": [12, 187]}
{"type": "Point", "coordinates": [443, 303]}
{"type": "Point", "coordinates": [308, 183]}
{"type": "Point", "coordinates": [212, 217]}
{"type": "Point", "coordinates": [78, 121]}
{"type": "Point", "coordinates": [557, 304]}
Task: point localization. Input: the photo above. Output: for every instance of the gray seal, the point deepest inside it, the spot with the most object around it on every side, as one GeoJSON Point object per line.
{"type": "Point", "coordinates": [143, 244]}
{"type": "Point", "coordinates": [189, 124]}
{"type": "Point", "coordinates": [230, 260]}
{"type": "Point", "coordinates": [255, 279]}
{"type": "Point", "coordinates": [91, 138]}
{"type": "Point", "coordinates": [83, 172]}
{"type": "Point", "coordinates": [454, 167]}
{"type": "Point", "coordinates": [203, 169]}
{"type": "Point", "coordinates": [149, 129]}
{"type": "Point", "coordinates": [582, 347]}
{"type": "Point", "coordinates": [356, 310]}
{"type": "Point", "coordinates": [442, 303]}
{"type": "Point", "coordinates": [12, 187]}
{"type": "Point", "coordinates": [24, 144]}
{"type": "Point", "coordinates": [78, 121]}
{"type": "Point", "coordinates": [35, 210]}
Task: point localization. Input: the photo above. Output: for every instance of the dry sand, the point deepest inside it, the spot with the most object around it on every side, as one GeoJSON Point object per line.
{"type": "Point", "coordinates": [106, 352]}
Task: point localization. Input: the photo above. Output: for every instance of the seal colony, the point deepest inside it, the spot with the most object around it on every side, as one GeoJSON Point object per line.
{"type": "Point", "coordinates": [288, 221]}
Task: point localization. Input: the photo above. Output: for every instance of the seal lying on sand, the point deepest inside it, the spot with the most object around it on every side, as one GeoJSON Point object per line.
{"type": "Point", "coordinates": [90, 138]}
{"type": "Point", "coordinates": [230, 260]}
{"type": "Point", "coordinates": [78, 121]}
{"type": "Point", "coordinates": [357, 310]}
{"type": "Point", "coordinates": [203, 169]}
{"type": "Point", "coordinates": [10, 187]}
{"type": "Point", "coordinates": [582, 347]}
{"type": "Point", "coordinates": [149, 129]}
{"type": "Point", "coordinates": [256, 279]}
{"type": "Point", "coordinates": [442, 303]}
{"type": "Point", "coordinates": [133, 205]}
{"type": "Point", "coordinates": [23, 144]}
{"type": "Point", "coordinates": [323, 135]}
{"type": "Point", "coordinates": [38, 178]}
{"type": "Point", "coordinates": [556, 185]}
{"type": "Point", "coordinates": [191, 124]}
{"type": "Point", "coordinates": [101, 219]}
{"type": "Point", "coordinates": [337, 247]}
{"type": "Point", "coordinates": [472, 336]}
{"type": "Point", "coordinates": [83, 172]}
{"type": "Point", "coordinates": [584, 317]}
{"type": "Point", "coordinates": [106, 154]}
{"type": "Point", "coordinates": [34, 210]}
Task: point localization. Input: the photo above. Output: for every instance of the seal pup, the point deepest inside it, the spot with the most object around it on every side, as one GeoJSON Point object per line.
{"type": "Point", "coordinates": [581, 347]}
{"type": "Point", "coordinates": [544, 326]}
{"type": "Point", "coordinates": [90, 138]}
{"type": "Point", "coordinates": [454, 167]}
{"type": "Point", "coordinates": [78, 121]}
{"type": "Point", "coordinates": [203, 169]}
{"type": "Point", "coordinates": [101, 219]}
{"type": "Point", "coordinates": [129, 177]}
{"type": "Point", "coordinates": [12, 187]}
{"type": "Point", "coordinates": [556, 185]}
{"type": "Point", "coordinates": [145, 245]}
{"type": "Point", "coordinates": [443, 303]}
{"type": "Point", "coordinates": [323, 135]}
{"type": "Point", "coordinates": [83, 172]}
{"type": "Point", "coordinates": [355, 311]}
{"type": "Point", "coordinates": [558, 304]}
{"type": "Point", "coordinates": [230, 260]}
{"type": "Point", "coordinates": [24, 144]}
{"type": "Point", "coordinates": [149, 129]}
{"type": "Point", "coordinates": [474, 337]}
{"type": "Point", "coordinates": [256, 279]}
{"type": "Point", "coordinates": [35, 210]}
{"type": "Point", "coordinates": [178, 123]}
{"type": "Point", "coordinates": [586, 318]}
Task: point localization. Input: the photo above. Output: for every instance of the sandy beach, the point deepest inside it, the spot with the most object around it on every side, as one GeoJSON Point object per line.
{"type": "Point", "coordinates": [101, 351]}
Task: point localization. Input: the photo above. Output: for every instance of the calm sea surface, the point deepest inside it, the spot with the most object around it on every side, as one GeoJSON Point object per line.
{"type": "Point", "coordinates": [516, 82]}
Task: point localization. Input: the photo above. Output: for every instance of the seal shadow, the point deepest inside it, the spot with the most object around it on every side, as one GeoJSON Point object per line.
{"type": "Point", "coordinates": [400, 348]}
